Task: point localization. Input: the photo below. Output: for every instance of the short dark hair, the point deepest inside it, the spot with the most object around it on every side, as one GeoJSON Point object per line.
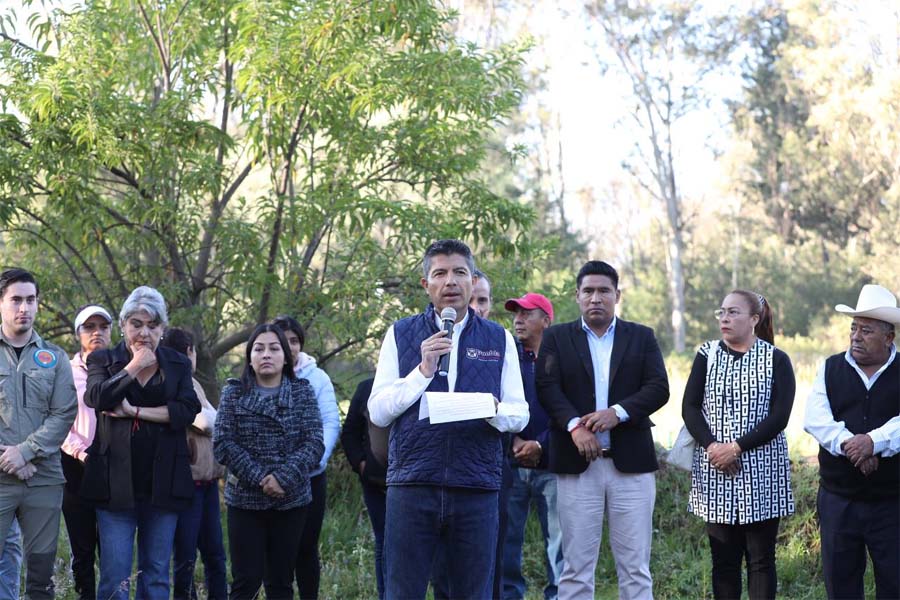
{"type": "Point", "coordinates": [17, 275]}
{"type": "Point", "coordinates": [287, 323]}
{"type": "Point", "coordinates": [597, 267]}
{"type": "Point", "coordinates": [480, 275]}
{"type": "Point", "coordinates": [248, 377]}
{"type": "Point", "coordinates": [446, 248]}
{"type": "Point", "coordinates": [178, 339]}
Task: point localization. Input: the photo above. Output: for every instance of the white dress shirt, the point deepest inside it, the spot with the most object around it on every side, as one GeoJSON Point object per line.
{"type": "Point", "coordinates": [392, 395]}
{"type": "Point", "coordinates": [819, 421]}
{"type": "Point", "coordinates": [601, 355]}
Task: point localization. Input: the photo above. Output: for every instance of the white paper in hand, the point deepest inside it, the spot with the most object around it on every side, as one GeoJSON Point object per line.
{"type": "Point", "coordinates": [449, 407]}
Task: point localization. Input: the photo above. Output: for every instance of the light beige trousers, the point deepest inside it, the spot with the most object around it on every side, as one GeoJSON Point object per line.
{"type": "Point", "coordinates": [627, 501]}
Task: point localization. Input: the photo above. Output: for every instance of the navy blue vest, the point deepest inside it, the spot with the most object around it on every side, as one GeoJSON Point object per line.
{"type": "Point", "coordinates": [465, 454]}
{"type": "Point", "coordinates": [861, 411]}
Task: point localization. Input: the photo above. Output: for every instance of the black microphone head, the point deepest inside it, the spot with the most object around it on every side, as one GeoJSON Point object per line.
{"type": "Point", "coordinates": [448, 314]}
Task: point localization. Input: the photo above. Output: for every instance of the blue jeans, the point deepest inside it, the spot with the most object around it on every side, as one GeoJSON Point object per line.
{"type": "Point", "coordinates": [11, 563]}
{"type": "Point", "coordinates": [155, 530]}
{"type": "Point", "coordinates": [376, 499]}
{"type": "Point", "coordinates": [199, 527]}
{"type": "Point", "coordinates": [423, 518]}
{"type": "Point", "coordinates": [538, 486]}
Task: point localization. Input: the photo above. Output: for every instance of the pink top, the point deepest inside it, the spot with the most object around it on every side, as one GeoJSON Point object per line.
{"type": "Point", "coordinates": [82, 433]}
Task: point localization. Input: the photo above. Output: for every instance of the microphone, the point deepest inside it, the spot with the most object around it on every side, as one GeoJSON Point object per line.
{"type": "Point", "coordinates": [448, 318]}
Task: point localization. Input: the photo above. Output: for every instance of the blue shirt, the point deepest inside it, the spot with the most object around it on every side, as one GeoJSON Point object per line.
{"type": "Point", "coordinates": [601, 353]}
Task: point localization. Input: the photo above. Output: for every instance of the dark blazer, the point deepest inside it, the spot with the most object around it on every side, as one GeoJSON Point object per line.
{"type": "Point", "coordinates": [108, 481]}
{"type": "Point", "coordinates": [638, 383]}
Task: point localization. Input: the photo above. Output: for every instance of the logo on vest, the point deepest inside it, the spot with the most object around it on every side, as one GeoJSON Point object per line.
{"type": "Point", "coordinates": [483, 355]}
{"type": "Point", "coordinates": [44, 358]}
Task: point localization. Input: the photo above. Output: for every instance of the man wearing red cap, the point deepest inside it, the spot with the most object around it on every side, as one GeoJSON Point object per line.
{"type": "Point", "coordinates": [530, 478]}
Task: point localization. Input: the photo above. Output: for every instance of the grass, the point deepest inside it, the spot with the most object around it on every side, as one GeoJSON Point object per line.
{"type": "Point", "coordinates": [680, 558]}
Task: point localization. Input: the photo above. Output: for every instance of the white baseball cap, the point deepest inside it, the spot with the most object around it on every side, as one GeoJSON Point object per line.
{"type": "Point", "coordinates": [89, 311]}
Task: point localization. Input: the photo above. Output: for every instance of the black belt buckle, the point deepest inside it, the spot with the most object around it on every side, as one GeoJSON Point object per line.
{"type": "Point", "coordinates": [605, 453]}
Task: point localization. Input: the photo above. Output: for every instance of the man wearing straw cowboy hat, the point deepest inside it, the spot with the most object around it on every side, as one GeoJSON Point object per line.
{"type": "Point", "coordinates": [854, 414]}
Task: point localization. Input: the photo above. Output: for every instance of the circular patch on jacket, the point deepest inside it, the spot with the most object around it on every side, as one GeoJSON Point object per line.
{"type": "Point", "coordinates": [45, 359]}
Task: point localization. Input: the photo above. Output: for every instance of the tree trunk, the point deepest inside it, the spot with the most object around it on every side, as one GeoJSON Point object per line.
{"type": "Point", "coordinates": [206, 374]}
{"type": "Point", "coordinates": [676, 288]}
{"type": "Point", "coordinates": [736, 256]}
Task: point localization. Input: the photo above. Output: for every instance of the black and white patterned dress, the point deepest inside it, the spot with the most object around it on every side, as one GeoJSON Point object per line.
{"type": "Point", "coordinates": [736, 399]}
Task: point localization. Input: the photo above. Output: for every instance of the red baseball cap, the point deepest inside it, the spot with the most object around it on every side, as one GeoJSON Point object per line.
{"type": "Point", "coordinates": [529, 301]}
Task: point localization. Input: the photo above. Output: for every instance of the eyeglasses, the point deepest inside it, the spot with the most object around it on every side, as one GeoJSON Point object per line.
{"type": "Point", "coordinates": [730, 313]}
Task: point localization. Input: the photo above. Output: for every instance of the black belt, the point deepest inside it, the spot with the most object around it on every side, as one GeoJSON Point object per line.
{"type": "Point", "coordinates": [605, 453]}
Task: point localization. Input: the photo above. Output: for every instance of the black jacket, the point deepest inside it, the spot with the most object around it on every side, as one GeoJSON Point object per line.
{"type": "Point", "coordinates": [357, 434]}
{"type": "Point", "coordinates": [108, 481]}
{"type": "Point", "coordinates": [638, 383]}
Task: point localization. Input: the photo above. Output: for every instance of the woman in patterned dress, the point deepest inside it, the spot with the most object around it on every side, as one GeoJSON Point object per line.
{"type": "Point", "coordinates": [737, 403]}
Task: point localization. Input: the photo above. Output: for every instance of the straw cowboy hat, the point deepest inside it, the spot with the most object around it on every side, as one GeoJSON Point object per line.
{"type": "Point", "coordinates": [875, 302]}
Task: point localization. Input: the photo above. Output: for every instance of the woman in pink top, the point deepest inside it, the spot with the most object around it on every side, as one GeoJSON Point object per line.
{"type": "Point", "coordinates": [93, 328]}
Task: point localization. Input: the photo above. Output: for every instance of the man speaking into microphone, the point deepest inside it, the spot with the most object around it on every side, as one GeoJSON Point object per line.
{"type": "Point", "coordinates": [443, 478]}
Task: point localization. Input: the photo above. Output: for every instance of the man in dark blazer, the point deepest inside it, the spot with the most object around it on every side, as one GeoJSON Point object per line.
{"type": "Point", "coordinates": [599, 378]}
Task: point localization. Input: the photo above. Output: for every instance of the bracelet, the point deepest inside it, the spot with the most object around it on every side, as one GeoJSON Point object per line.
{"type": "Point", "coordinates": [539, 444]}
{"type": "Point", "coordinates": [735, 449]}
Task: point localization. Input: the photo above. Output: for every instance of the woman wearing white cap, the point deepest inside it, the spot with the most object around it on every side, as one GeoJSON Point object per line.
{"type": "Point", "coordinates": [93, 327]}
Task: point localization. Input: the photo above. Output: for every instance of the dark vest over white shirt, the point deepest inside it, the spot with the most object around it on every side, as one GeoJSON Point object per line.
{"type": "Point", "coordinates": [465, 454]}
{"type": "Point", "coordinates": [861, 410]}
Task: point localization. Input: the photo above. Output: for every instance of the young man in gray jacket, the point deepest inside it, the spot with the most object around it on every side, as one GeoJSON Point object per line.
{"type": "Point", "coordinates": [37, 408]}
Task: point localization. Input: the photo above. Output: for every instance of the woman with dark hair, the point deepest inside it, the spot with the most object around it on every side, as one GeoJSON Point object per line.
{"type": "Point", "coordinates": [269, 435]}
{"type": "Point", "coordinates": [736, 405]}
{"type": "Point", "coordinates": [308, 567]}
{"type": "Point", "coordinates": [137, 471]}
{"type": "Point", "coordinates": [199, 527]}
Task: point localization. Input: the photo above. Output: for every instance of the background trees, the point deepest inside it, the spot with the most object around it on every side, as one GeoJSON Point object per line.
{"type": "Point", "coordinates": [666, 51]}
{"type": "Point", "coordinates": [250, 158]}
{"type": "Point", "coordinates": [257, 157]}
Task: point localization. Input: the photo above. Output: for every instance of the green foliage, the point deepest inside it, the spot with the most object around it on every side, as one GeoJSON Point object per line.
{"type": "Point", "coordinates": [251, 158]}
{"type": "Point", "coordinates": [819, 117]}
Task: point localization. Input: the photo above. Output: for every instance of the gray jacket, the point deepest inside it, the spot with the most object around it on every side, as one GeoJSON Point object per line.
{"type": "Point", "coordinates": [37, 406]}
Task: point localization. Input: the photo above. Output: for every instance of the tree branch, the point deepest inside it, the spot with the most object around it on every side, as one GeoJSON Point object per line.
{"type": "Point", "coordinates": [57, 251]}
{"type": "Point", "coordinates": [20, 44]}
{"type": "Point", "coordinates": [111, 261]}
{"type": "Point", "coordinates": [75, 253]}
{"type": "Point", "coordinates": [230, 341]}
{"type": "Point", "coordinates": [201, 268]}
{"type": "Point", "coordinates": [328, 356]}
{"type": "Point", "coordinates": [157, 42]}
{"type": "Point", "coordinates": [226, 98]}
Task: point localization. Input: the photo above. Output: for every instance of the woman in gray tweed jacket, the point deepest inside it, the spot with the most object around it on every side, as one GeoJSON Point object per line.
{"type": "Point", "coordinates": [269, 434]}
